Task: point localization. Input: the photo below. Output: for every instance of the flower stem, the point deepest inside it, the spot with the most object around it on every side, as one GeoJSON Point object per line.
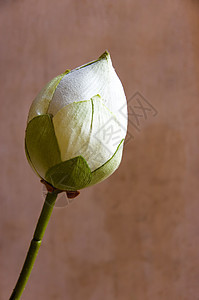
{"type": "Point", "coordinates": [34, 245]}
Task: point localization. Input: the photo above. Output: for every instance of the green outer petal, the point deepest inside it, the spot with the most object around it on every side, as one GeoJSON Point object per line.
{"type": "Point", "coordinates": [73, 174]}
{"type": "Point", "coordinates": [109, 167]}
{"type": "Point", "coordinates": [41, 144]}
{"type": "Point", "coordinates": [29, 160]}
{"type": "Point", "coordinates": [41, 102]}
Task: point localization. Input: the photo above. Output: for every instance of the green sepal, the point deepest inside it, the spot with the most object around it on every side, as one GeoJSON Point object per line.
{"type": "Point", "coordinates": [109, 167]}
{"type": "Point", "coordinates": [73, 174]}
{"type": "Point", "coordinates": [41, 144]}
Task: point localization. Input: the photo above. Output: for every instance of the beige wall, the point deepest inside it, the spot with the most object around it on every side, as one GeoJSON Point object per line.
{"type": "Point", "coordinates": [136, 235]}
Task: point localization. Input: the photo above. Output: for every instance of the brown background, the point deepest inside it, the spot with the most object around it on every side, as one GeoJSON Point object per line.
{"type": "Point", "coordinates": [136, 235]}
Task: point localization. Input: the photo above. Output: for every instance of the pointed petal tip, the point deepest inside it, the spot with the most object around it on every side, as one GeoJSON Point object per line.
{"type": "Point", "coordinates": [67, 71]}
{"type": "Point", "coordinates": [105, 55]}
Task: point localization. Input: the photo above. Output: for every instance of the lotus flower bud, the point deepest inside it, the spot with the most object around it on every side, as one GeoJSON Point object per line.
{"type": "Point", "coordinates": [65, 135]}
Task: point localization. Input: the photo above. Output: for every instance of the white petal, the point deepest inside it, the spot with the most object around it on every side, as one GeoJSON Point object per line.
{"type": "Point", "coordinates": [98, 77]}
{"type": "Point", "coordinates": [79, 128]}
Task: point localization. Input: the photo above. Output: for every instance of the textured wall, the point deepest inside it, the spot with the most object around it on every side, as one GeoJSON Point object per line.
{"type": "Point", "coordinates": [136, 235]}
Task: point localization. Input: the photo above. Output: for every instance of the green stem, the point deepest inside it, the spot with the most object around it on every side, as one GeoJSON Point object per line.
{"type": "Point", "coordinates": [34, 245]}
